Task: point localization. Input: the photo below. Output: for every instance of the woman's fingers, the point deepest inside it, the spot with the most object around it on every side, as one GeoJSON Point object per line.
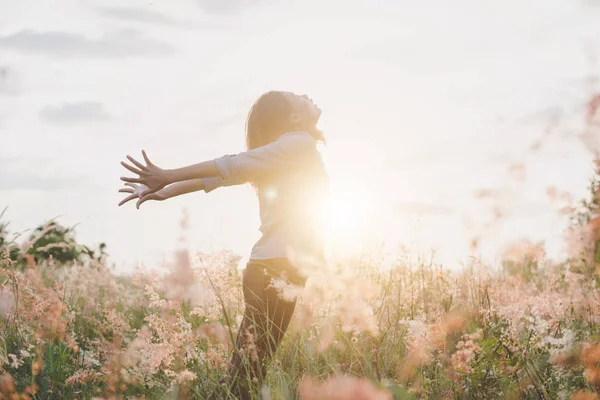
{"type": "Point", "coordinates": [148, 191]}
{"type": "Point", "coordinates": [136, 163]}
{"type": "Point", "coordinates": [151, 196]}
{"type": "Point", "coordinates": [146, 158]}
{"type": "Point", "coordinates": [133, 185]}
{"type": "Point", "coordinates": [132, 180]}
{"type": "Point", "coordinates": [126, 190]}
{"type": "Point", "coordinates": [126, 199]}
{"type": "Point", "coordinates": [132, 169]}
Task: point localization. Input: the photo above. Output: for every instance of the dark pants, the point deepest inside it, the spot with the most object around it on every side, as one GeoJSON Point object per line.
{"type": "Point", "coordinates": [266, 318]}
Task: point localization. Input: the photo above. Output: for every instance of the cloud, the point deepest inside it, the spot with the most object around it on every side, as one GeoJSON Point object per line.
{"type": "Point", "coordinates": [592, 3]}
{"type": "Point", "coordinates": [9, 81]}
{"type": "Point", "coordinates": [144, 16]}
{"type": "Point", "coordinates": [74, 113]}
{"type": "Point", "coordinates": [18, 174]}
{"type": "Point", "coordinates": [422, 208]}
{"type": "Point", "coordinates": [224, 6]}
{"type": "Point", "coordinates": [140, 15]}
{"type": "Point", "coordinates": [67, 44]}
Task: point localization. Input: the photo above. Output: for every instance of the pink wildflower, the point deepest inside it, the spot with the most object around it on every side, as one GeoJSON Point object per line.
{"type": "Point", "coordinates": [7, 301]}
{"type": "Point", "coordinates": [341, 388]}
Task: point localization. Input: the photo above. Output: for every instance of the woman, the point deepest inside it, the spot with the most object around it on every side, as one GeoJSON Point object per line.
{"type": "Point", "coordinates": [285, 168]}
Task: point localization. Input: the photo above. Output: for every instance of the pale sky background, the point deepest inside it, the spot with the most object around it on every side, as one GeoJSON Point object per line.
{"type": "Point", "coordinates": [425, 103]}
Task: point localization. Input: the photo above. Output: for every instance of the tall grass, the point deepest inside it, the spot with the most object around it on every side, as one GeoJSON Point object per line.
{"type": "Point", "coordinates": [409, 331]}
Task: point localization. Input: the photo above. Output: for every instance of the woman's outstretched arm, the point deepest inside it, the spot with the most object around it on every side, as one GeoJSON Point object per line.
{"type": "Point", "coordinates": [289, 151]}
{"type": "Point", "coordinates": [174, 190]}
{"type": "Point", "coordinates": [206, 169]}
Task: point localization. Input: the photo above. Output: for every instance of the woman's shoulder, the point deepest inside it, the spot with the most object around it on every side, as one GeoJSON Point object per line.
{"type": "Point", "coordinates": [291, 145]}
{"type": "Point", "coordinates": [298, 139]}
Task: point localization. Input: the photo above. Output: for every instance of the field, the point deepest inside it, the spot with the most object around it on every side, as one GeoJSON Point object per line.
{"type": "Point", "coordinates": [71, 328]}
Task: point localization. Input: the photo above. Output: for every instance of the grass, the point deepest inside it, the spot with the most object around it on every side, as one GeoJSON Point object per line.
{"type": "Point", "coordinates": [87, 333]}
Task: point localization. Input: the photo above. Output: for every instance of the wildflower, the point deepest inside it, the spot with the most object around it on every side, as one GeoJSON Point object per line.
{"type": "Point", "coordinates": [7, 387]}
{"type": "Point", "coordinates": [36, 367]}
{"type": "Point", "coordinates": [569, 357]}
{"type": "Point", "coordinates": [15, 361]}
{"type": "Point", "coordinates": [285, 290]}
{"type": "Point", "coordinates": [7, 301]}
{"type": "Point", "coordinates": [584, 395]}
{"type": "Point", "coordinates": [591, 359]}
{"type": "Point", "coordinates": [214, 331]}
{"type": "Point", "coordinates": [411, 363]}
{"type": "Point", "coordinates": [250, 344]}
{"type": "Point", "coordinates": [525, 250]}
{"type": "Point", "coordinates": [84, 376]}
{"type": "Point", "coordinates": [25, 354]}
{"type": "Point", "coordinates": [326, 337]}
{"type": "Point", "coordinates": [580, 241]}
{"type": "Point", "coordinates": [418, 341]}
{"type": "Point", "coordinates": [186, 376]}
{"type": "Point", "coordinates": [466, 352]}
{"type": "Point", "coordinates": [341, 388]}
{"type": "Point", "coordinates": [218, 359]}
{"type": "Point", "coordinates": [88, 359]}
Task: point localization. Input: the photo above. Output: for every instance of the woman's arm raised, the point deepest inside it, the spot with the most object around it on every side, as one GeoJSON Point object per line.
{"type": "Point", "coordinates": [156, 178]}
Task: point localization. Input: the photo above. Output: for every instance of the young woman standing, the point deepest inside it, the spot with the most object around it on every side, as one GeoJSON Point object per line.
{"type": "Point", "coordinates": [286, 169]}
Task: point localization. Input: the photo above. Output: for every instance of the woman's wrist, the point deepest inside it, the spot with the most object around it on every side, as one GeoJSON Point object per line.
{"type": "Point", "coordinates": [164, 193]}
{"type": "Point", "coordinates": [171, 176]}
{"type": "Point", "coordinates": [183, 187]}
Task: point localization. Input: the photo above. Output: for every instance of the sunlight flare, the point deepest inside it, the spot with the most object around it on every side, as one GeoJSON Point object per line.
{"type": "Point", "coordinates": [346, 218]}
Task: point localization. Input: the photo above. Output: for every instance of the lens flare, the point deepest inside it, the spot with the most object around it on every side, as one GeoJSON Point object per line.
{"type": "Point", "coordinates": [346, 219]}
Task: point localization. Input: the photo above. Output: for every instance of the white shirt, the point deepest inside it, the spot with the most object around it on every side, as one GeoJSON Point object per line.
{"type": "Point", "coordinates": [292, 186]}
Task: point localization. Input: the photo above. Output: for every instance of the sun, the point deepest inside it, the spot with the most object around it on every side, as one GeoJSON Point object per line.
{"type": "Point", "coordinates": [347, 217]}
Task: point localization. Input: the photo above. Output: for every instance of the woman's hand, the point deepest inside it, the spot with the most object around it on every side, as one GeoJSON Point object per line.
{"type": "Point", "coordinates": [153, 177]}
{"type": "Point", "coordinates": [137, 191]}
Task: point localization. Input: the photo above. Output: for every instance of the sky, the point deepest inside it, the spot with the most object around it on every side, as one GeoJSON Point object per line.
{"type": "Point", "coordinates": [427, 107]}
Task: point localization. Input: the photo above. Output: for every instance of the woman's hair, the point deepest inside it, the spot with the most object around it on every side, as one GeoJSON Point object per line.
{"type": "Point", "coordinates": [269, 118]}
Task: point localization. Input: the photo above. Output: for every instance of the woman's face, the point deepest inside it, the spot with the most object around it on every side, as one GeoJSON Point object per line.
{"type": "Point", "coordinates": [308, 111]}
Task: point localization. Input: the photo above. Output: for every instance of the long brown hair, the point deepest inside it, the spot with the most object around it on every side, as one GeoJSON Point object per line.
{"type": "Point", "coordinates": [269, 118]}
